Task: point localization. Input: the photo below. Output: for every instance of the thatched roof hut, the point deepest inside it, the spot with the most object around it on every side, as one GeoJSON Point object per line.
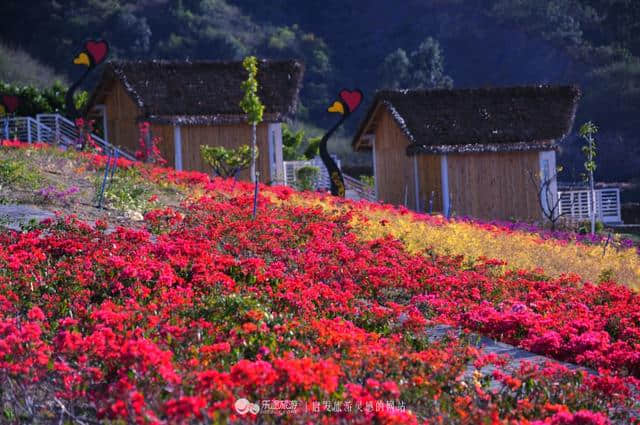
{"type": "Point", "coordinates": [484, 141]}
{"type": "Point", "coordinates": [198, 101]}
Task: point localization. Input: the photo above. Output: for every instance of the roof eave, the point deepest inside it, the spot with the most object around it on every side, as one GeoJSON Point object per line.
{"type": "Point", "coordinates": [216, 119]}
{"type": "Point", "coordinates": [371, 114]}
{"type": "Point", "coordinates": [542, 145]}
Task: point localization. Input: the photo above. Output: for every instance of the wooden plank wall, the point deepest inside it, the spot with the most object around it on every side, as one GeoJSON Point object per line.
{"type": "Point", "coordinates": [430, 181]}
{"type": "Point", "coordinates": [122, 113]}
{"type": "Point", "coordinates": [494, 185]}
{"type": "Point", "coordinates": [229, 136]}
{"type": "Point", "coordinates": [395, 171]}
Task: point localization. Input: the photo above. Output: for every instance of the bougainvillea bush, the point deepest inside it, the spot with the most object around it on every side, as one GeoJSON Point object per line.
{"type": "Point", "coordinates": [209, 316]}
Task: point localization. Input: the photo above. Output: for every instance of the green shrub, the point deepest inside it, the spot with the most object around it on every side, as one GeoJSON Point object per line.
{"type": "Point", "coordinates": [368, 180]}
{"type": "Point", "coordinates": [41, 101]}
{"type": "Point", "coordinates": [585, 227]}
{"type": "Point", "coordinates": [227, 162]}
{"type": "Point", "coordinates": [306, 177]}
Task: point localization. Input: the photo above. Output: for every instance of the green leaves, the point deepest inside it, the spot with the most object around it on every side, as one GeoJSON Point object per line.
{"type": "Point", "coordinates": [41, 101]}
{"type": "Point", "coordinates": [422, 68]}
{"type": "Point", "coordinates": [291, 142]}
{"type": "Point", "coordinates": [250, 103]}
{"type": "Point", "coordinates": [306, 177]}
{"type": "Point", "coordinates": [587, 132]}
{"type": "Point", "coordinates": [226, 162]}
{"type": "Point", "coordinates": [588, 129]}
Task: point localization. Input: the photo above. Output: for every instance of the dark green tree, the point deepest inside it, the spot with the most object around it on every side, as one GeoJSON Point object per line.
{"type": "Point", "coordinates": [427, 66]}
{"type": "Point", "coordinates": [422, 68]}
{"type": "Point", "coordinates": [291, 143]}
{"type": "Point", "coordinates": [394, 71]}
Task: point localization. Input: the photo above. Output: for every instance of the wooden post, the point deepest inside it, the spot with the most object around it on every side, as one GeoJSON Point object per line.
{"type": "Point", "coordinates": [148, 145]}
{"type": "Point", "coordinates": [177, 144]}
{"type": "Point", "coordinates": [444, 176]}
{"type": "Point", "coordinates": [431, 202]}
{"type": "Point", "coordinates": [416, 182]}
{"type": "Point", "coordinates": [375, 170]}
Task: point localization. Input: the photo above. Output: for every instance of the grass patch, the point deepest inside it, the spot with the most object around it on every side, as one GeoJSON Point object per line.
{"type": "Point", "coordinates": [126, 191]}
{"type": "Point", "coordinates": [16, 172]}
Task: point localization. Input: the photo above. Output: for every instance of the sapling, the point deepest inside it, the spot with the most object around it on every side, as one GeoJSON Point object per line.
{"type": "Point", "coordinates": [251, 105]}
{"type": "Point", "coordinates": [587, 132]}
{"type": "Point", "coordinates": [254, 109]}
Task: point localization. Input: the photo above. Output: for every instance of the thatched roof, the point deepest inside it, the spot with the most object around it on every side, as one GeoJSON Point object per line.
{"type": "Point", "coordinates": [476, 120]}
{"type": "Point", "coordinates": [202, 92]}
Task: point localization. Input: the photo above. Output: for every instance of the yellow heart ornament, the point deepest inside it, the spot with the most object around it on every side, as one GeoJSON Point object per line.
{"type": "Point", "coordinates": [336, 107]}
{"type": "Point", "coordinates": [82, 59]}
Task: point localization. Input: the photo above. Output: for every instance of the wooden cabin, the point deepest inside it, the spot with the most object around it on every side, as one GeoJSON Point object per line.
{"type": "Point", "coordinates": [469, 152]}
{"type": "Point", "coordinates": [189, 104]}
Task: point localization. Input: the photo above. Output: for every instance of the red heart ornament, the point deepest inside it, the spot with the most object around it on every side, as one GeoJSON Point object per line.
{"type": "Point", "coordinates": [97, 50]}
{"type": "Point", "coordinates": [352, 98]}
{"type": "Point", "coordinates": [10, 102]}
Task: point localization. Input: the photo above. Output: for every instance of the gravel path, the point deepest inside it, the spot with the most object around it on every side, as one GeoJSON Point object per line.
{"type": "Point", "coordinates": [489, 346]}
{"type": "Point", "coordinates": [14, 216]}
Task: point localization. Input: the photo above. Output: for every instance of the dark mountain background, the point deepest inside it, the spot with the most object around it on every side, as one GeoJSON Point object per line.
{"type": "Point", "coordinates": [374, 44]}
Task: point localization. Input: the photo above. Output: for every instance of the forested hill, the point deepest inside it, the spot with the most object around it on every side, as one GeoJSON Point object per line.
{"type": "Point", "coordinates": [379, 43]}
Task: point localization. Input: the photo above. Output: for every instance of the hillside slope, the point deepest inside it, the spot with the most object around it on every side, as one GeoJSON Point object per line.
{"type": "Point", "coordinates": [202, 312]}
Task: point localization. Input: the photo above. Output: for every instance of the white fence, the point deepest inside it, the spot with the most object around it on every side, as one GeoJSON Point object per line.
{"type": "Point", "coordinates": [576, 205]}
{"type": "Point", "coordinates": [51, 128]}
{"type": "Point", "coordinates": [354, 188]}
{"type": "Point", "coordinates": [361, 190]}
{"type": "Point", "coordinates": [323, 181]}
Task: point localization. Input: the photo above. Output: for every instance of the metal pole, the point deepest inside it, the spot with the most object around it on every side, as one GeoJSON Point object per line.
{"type": "Point", "coordinates": [57, 130]}
{"type": "Point", "coordinates": [29, 129]}
{"type": "Point", "coordinates": [115, 164]}
{"type": "Point", "coordinates": [104, 180]}
{"type": "Point", "coordinates": [255, 195]}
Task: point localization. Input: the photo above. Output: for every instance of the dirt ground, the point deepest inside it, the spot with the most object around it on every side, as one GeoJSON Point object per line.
{"type": "Point", "coordinates": [67, 184]}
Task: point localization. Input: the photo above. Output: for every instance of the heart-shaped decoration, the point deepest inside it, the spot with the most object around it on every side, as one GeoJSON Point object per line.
{"type": "Point", "coordinates": [98, 50]}
{"type": "Point", "coordinates": [10, 102]}
{"type": "Point", "coordinates": [336, 107]}
{"type": "Point", "coordinates": [352, 98]}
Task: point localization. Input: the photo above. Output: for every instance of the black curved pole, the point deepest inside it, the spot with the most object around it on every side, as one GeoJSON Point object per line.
{"type": "Point", "coordinates": [337, 182]}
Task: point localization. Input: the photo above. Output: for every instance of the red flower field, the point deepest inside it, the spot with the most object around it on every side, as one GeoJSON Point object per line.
{"type": "Point", "coordinates": [298, 315]}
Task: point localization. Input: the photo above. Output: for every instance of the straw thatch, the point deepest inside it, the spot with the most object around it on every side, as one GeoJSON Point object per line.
{"type": "Point", "coordinates": [202, 92]}
{"type": "Point", "coordinates": [477, 120]}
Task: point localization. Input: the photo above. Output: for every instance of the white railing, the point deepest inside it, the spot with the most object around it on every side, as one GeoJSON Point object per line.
{"type": "Point", "coordinates": [323, 181]}
{"type": "Point", "coordinates": [54, 129]}
{"type": "Point", "coordinates": [25, 129]}
{"type": "Point", "coordinates": [362, 190]}
{"type": "Point", "coordinates": [64, 130]}
{"type": "Point", "coordinates": [576, 205]}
